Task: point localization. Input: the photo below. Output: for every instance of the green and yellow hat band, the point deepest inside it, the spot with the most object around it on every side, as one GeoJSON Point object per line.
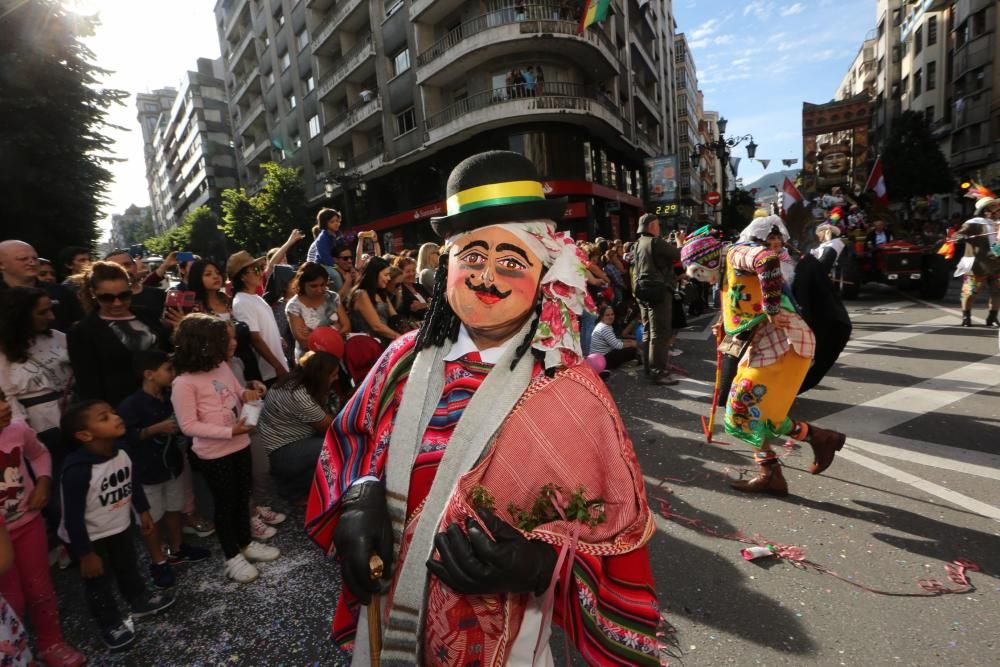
{"type": "Point", "coordinates": [495, 194]}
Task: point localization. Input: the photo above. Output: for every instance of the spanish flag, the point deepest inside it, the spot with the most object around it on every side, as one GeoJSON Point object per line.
{"type": "Point", "coordinates": [595, 12]}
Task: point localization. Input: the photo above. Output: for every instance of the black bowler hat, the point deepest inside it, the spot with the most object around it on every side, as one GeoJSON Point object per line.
{"type": "Point", "coordinates": [492, 188]}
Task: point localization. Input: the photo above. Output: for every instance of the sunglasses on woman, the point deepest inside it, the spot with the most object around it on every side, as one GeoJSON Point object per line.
{"type": "Point", "coordinates": [108, 297]}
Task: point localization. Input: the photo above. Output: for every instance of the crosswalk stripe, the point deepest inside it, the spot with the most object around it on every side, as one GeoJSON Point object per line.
{"type": "Point", "coordinates": [953, 497]}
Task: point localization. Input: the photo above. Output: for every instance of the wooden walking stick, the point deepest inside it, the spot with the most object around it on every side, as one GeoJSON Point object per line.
{"type": "Point", "coordinates": [707, 426]}
{"type": "Point", "coordinates": [375, 567]}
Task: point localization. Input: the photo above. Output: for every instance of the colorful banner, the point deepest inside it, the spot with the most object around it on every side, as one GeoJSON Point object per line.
{"type": "Point", "coordinates": [661, 178]}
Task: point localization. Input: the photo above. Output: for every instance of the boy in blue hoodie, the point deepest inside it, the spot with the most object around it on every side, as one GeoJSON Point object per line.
{"type": "Point", "coordinates": [153, 441]}
{"type": "Point", "coordinates": [98, 497]}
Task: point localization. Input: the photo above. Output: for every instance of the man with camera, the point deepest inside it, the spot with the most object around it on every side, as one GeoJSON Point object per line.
{"type": "Point", "coordinates": [654, 283]}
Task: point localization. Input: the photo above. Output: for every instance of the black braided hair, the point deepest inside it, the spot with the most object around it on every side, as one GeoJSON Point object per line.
{"type": "Point", "coordinates": [526, 342]}
{"type": "Point", "coordinates": [440, 323]}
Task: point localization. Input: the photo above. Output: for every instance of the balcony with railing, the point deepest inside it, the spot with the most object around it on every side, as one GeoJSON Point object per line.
{"type": "Point", "coordinates": [346, 65]}
{"type": "Point", "coordinates": [512, 31]}
{"type": "Point", "coordinates": [521, 102]}
{"type": "Point", "coordinates": [254, 149]}
{"type": "Point", "coordinates": [341, 11]}
{"type": "Point", "coordinates": [973, 54]}
{"type": "Point", "coordinates": [243, 83]}
{"type": "Point", "coordinates": [367, 161]}
{"type": "Point", "coordinates": [234, 14]}
{"type": "Point", "coordinates": [245, 117]}
{"type": "Point", "coordinates": [647, 98]}
{"type": "Point", "coordinates": [241, 48]}
{"type": "Point", "coordinates": [353, 117]}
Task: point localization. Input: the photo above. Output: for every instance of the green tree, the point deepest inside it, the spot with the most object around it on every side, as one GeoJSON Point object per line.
{"type": "Point", "coordinates": [912, 161]}
{"type": "Point", "coordinates": [263, 221]}
{"type": "Point", "coordinates": [198, 233]}
{"type": "Point", "coordinates": [175, 238]}
{"type": "Point", "coordinates": [140, 232]}
{"type": "Point", "coordinates": [53, 153]}
{"type": "Point", "coordinates": [206, 239]}
{"type": "Point", "coordinates": [241, 221]}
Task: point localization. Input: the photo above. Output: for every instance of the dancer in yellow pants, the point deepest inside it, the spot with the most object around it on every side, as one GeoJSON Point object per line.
{"type": "Point", "coordinates": [772, 344]}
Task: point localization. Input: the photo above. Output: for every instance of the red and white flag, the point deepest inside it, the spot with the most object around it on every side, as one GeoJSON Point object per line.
{"type": "Point", "coordinates": [876, 183]}
{"type": "Point", "coordinates": [790, 194]}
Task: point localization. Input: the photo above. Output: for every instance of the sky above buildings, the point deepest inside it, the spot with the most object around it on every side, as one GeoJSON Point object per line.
{"type": "Point", "coordinates": [757, 61]}
{"type": "Point", "coordinates": [147, 44]}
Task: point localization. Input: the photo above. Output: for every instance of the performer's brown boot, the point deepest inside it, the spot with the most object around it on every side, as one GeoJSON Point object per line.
{"type": "Point", "coordinates": [769, 479]}
{"type": "Point", "coordinates": [825, 445]}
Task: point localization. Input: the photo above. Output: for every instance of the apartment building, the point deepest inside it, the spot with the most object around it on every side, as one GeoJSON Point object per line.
{"type": "Point", "coordinates": [888, 68]}
{"type": "Point", "coordinates": [689, 126]}
{"type": "Point", "coordinates": [975, 128]}
{"type": "Point", "coordinates": [860, 78]}
{"type": "Point", "coordinates": [189, 154]}
{"type": "Point", "coordinates": [379, 99]}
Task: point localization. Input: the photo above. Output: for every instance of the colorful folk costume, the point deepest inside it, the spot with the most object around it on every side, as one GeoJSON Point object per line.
{"type": "Point", "coordinates": [495, 482]}
{"type": "Point", "coordinates": [980, 266]}
{"type": "Point", "coordinates": [766, 346]}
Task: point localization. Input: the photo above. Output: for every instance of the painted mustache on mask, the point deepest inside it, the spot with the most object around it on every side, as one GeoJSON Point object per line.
{"type": "Point", "coordinates": [490, 290]}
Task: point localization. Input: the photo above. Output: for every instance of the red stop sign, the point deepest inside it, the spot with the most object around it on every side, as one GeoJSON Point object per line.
{"type": "Point", "coordinates": [712, 198]}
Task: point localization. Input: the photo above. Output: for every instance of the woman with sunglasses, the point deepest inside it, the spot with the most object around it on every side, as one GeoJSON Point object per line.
{"type": "Point", "coordinates": [102, 344]}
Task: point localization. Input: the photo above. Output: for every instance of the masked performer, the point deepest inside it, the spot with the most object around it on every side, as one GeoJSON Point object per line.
{"type": "Point", "coordinates": [486, 466]}
{"type": "Point", "coordinates": [767, 345]}
{"type": "Point", "coordinates": [980, 267]}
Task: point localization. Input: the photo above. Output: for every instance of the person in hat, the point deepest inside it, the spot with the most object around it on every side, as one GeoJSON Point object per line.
{"type": "Point", "coordinates": [246, 274]}
{"type": "Point", "coordinates": [980, 265]}
{"type": "Point", "coordinates": [484, 464]}
{"type": "Point", "coordinates": [654, 281]}
{"type": "Point", "coordinates": [766, 348]}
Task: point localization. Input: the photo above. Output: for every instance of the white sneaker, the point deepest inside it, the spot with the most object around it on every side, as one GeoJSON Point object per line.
{"type": "Point", "coordinates": [255, 552]}
{"type": "Point", "coordinates": [269, 516]}
{"type": "Point", "coordinates": [260, 530]}
{"type": "Point", "coordinates": [240, 571]}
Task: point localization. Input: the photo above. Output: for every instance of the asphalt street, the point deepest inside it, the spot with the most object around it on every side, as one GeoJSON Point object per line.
{"type": "Point", "coordinates": [914, 489]}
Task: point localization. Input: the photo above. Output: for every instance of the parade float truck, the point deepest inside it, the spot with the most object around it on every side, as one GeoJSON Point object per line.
{"type": "Point", "coordinates": [901, 264]}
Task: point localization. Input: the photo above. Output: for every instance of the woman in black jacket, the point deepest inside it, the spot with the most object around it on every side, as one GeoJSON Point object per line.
{"type": "Point", "coordinates": [102, 344]}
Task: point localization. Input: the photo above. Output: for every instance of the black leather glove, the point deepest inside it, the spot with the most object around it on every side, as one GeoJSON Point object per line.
{"type": "Point", "coordinates": [364, 529]}
{"type": "Point", "coordinates": [477, 565]}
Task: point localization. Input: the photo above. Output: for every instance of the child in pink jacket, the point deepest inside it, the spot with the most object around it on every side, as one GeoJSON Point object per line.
{"type": "Point", "coordinates": [26, 585]}
{"type": "Point", "coordinates": [207, 400]}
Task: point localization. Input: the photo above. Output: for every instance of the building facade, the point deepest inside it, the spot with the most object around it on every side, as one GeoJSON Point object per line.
{"type": "Point", "coordinates": [381, 98]}
{"type": "Point", "coordinates": [189, 147]}
{"type": "Point", "coordinates": [123, 225]}
{"type": "Point", "coordinates": [975, 127]}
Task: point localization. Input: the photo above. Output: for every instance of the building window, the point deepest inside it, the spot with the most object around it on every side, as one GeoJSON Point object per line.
{"type": "Point", "coordinates": [313, 126]}
{"type": "Point", "coordinates": [931, 75]}
{"type": "Point", "coordinates": [296, 141]}
{"type": "Point", "coordinates": [286, 61]}
{"type": "Point", "coordinates": [932, 31]}
{"type": "Point", "coordinates": [904, 85]}
{"type": "Point", "coordinates": [979, 23]}
{"type": "Point", "coordinates": [302, 39]}
{"type": "Point", "coordinates": [280, 18]}
{"type": "Point", "coordinates": [918, 81]}
{"type": "Point", "coordinates": [881, 65]}
{"type": "Point", "coordinates": [405, 122]}
{"type": "Point", "coordinates": [401, 62]}
{"type": "Point", "coordinates": [975, 135]}
{"type": "Point", "coordinates": [310, 83]}
{"type": "Point", "coordinates": [267, 41]}
{"type": "Point", "coordinates": [918, 41]}
{"type": "Point", "coordinates": [269, 79]}
{"type": "Point", "coordinates": [929, 115]}
{"type": "Point", "coordinates": [290, 100]}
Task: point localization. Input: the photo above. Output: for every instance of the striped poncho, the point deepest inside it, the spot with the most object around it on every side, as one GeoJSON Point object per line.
{"type": "Point", "coordinates": [565, 431]}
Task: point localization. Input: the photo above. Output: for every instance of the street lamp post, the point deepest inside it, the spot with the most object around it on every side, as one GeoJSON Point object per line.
{"type": "Point", "coordinates": [722, 148]}
{"type": "Point", "coordinates": [352, 184]}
